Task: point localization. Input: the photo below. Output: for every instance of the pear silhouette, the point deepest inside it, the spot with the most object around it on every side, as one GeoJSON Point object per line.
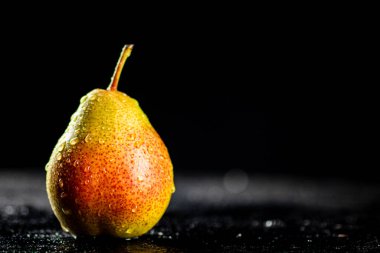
{"type": "Point", "coordinates": [110, 172]}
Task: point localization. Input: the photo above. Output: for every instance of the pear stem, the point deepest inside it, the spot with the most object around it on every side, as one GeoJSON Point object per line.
{"type": "Point", "coordinates": [125, 53]}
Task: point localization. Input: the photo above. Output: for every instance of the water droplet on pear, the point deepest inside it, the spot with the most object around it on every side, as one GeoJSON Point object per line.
{"type": "Point", "coordinates": [66, 211]}
{"type": "Point", "coordinates": [61, 147]}
{"type": "Point", "coordinates": [83, 99]}
{"type": "Point", "coordinates": [74, 141]}
{"type": "Point", "coordinates": [173, 189]}
{"type": "Point", "coordinates": [88, 138]}
{"type": "Point", "coordinates": [60, 182]}
{"type": "Point", "coordinates": [131, 136]}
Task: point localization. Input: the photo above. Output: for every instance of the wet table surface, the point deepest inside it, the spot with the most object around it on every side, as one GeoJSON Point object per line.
{"type": "Point", "coordinates": [211, 213]}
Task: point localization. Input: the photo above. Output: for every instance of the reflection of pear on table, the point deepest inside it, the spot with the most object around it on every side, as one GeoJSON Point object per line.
{"type": "Point", "coordinates": [110, 172]}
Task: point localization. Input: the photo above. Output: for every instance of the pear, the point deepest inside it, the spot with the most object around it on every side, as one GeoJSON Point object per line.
{"type": "Point", "coordinates": [110, 173]}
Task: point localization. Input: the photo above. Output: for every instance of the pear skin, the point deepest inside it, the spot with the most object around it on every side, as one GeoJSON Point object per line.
{"type": "Point", "coordinates": [110, 172]}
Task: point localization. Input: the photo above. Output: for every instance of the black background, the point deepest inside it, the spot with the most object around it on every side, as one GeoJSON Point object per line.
{"type": "Point", "coordinates": [290, 94]}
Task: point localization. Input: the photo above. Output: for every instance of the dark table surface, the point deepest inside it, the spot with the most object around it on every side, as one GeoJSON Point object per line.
{"type": "Point", "coordinates": [211, 213]}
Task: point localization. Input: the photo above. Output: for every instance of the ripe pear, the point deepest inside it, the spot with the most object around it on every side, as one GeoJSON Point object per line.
{"type": "Point", "coordinates": [110, 172]}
